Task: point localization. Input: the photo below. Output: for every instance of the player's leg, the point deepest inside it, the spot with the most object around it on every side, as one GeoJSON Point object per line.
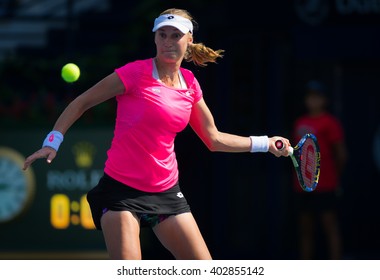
{"type": "Point", "coordinates": [121, 230]}
{"type": "Point", "coordinates": [330, 225]}
{"type": "Point", "coordinates": [306, 235]}
{"type": "Point", "coordinates": [181, 236]}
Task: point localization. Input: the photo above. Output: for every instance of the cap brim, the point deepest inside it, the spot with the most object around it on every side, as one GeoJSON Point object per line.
{"type": "Point", "coordinates": [180, 27]}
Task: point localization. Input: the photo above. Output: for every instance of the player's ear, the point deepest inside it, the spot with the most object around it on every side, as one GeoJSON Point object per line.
{"type": "Point", "coordinates": [190, 39]}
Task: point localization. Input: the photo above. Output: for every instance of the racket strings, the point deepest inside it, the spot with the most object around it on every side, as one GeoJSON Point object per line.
{"type": "Point", "coordinates": [309, 163]}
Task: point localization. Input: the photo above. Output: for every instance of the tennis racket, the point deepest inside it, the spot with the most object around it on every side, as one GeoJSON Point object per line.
{"type": "Point", "coordinates": [306, 159]}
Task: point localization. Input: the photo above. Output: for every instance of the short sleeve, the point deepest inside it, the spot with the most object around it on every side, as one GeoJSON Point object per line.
{"type": "Point", "coordinates": [129, 74]}
{"type": "Point", "coordinates": [197, 91]}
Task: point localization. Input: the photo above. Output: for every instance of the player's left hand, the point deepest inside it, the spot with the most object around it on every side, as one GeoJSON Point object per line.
{"type": "Point", "coordinates": [45, 152]}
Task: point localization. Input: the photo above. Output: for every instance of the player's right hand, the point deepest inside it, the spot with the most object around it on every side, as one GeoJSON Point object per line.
{"type": "Point", "coordinates": [45, 152]}
{"type": "Point", "coordinates": [279, 152]}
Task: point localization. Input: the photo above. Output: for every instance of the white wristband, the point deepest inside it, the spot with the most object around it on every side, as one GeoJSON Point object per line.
{"type": "Point", "coordinates": [259, 144]}
{"type": "Point", "coordinates": [53, 140]}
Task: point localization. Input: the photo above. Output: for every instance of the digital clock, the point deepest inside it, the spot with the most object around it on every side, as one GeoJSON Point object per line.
{"type": "Point", "coordinates": [64, 212]}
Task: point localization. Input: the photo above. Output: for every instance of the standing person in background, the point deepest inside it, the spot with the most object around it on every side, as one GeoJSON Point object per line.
{"type": "Point", "coordinates": [322, 204]}
{"type": "Point", "coordinates": [156, 99]}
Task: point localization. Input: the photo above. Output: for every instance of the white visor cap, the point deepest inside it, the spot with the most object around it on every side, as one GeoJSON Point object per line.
{"type": "Point", "coordinates": [182, 24]}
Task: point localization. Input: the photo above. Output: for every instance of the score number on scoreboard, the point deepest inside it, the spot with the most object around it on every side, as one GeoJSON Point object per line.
{"type": "Point", "coordinates": [64, 212]}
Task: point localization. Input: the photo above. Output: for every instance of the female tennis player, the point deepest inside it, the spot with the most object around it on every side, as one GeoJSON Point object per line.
{"type": "Point", "coordinates": [157, 99]}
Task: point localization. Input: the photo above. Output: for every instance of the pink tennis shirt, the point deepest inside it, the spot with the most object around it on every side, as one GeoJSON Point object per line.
{"type": "Point", "coordinates": [149, 116]}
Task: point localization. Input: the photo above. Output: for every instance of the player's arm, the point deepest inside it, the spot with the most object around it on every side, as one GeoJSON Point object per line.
{"type": "Point", "coordinates": [202, 122]}
{"type": "Point", "coordinates": [340, 156]}
{"type": "Point", "coordinates": [107, 88]}
{"type": "Point", "coordinates": [338, 146]}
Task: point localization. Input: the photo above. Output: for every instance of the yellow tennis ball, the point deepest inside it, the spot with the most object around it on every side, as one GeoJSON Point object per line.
{"type": "Point", "coordinates": [70, 72]}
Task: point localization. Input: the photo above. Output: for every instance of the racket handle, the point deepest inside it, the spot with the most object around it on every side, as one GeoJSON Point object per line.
{"type": "Point", "coordinates": [280, 146]}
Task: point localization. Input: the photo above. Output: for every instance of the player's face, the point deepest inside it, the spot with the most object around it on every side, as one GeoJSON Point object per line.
{"type": "Point", "coordinates": [171, 44]}
{"type": "Point", "coordinates": [315, 102]}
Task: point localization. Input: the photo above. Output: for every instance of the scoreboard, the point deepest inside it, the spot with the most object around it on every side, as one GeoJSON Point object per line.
{"type": "Point", "coordinates": [44, 210]}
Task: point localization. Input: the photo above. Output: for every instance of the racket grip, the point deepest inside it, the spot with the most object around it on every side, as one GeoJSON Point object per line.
{"type": "Point", "coordinates": [280, 146]}
{"type": "Point", "coordinates": [290, 151]}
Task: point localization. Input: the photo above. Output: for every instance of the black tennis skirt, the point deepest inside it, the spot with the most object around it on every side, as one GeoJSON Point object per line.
{"type": "Point", "coordinates": [112, 195]}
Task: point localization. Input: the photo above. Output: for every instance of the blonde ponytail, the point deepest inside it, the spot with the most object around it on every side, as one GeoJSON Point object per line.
{"type": "Point", "coordinates": [200, 55]}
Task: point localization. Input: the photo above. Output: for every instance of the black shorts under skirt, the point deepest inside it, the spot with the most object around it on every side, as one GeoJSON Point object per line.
{"type": "Point", "coordinates": [112, 195]}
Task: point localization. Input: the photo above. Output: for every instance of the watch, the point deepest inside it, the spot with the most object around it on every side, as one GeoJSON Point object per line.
{"type": "Point", "coordinates": [17, 186]}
